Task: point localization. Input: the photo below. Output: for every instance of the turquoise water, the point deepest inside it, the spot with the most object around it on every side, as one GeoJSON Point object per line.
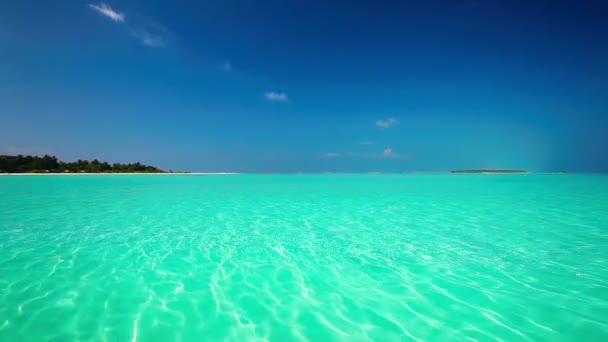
{"type": "Point", "coordinates": [312, 257]}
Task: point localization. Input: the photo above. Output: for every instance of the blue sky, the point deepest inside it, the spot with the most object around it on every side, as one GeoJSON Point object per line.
{"type": "Point", "coordinates": [312, 86]}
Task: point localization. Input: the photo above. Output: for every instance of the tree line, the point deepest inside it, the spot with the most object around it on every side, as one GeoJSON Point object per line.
{"type": "Point", "coordinates": [46, 163]}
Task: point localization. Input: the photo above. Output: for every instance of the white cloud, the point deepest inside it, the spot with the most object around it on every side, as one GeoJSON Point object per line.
{"type": "Point", "coordinates": [388, 152]}
{"type": "Point", "coordinates": [367, 143]}
{"type": "Point", "coordinates": [108, 12]}
{"type": "Point", "coordinates": [151, 40]}
{"type": "Point", "coordinates": [273, 96]}
{"type": "Point", "coordinates": [329, 155]}
{"type": "Point", "coordinates": [390, 122]}
{"type": "Point", "coordinates": [151, 34]}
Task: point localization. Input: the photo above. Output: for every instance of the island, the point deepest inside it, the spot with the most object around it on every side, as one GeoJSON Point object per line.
{"type": "Point", "coordinates": [488, 171]}
{"type": "Point", "coordinates": [50, 164]}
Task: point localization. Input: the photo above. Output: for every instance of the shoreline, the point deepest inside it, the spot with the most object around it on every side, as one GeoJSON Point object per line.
{"type": "Point", "coordinates": [296, 174]}
{"type": "Point", "coordinates": [117, 173]}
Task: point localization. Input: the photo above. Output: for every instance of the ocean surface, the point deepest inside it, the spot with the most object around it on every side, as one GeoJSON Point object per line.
{"type": "Point", "coordinates": [304, 258]}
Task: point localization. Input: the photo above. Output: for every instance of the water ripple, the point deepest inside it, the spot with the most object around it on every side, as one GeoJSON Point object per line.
{"type": "Point", "coordinates": [315, 258]}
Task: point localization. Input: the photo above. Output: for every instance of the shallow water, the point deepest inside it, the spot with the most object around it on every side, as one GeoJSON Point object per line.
{"type": "Point", "coordinates": [312, 257]}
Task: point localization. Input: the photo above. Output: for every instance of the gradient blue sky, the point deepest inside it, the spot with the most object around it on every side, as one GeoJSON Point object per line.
{"type": "Point", "coordinates": [313, 86]}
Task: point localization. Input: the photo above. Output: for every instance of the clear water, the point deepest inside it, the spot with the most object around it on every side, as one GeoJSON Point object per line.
{"type": "Point", "coordinates": [314, 257]}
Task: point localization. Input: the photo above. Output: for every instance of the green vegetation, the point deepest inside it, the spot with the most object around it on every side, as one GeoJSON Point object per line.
{"type": "Point", "coordinates": [35, 164]}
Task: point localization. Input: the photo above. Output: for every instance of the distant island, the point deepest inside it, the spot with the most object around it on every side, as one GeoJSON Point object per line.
{"type": "Point", "coordinates": [488, 171]}
{"type": "Point", "coordinates": [50, 164]}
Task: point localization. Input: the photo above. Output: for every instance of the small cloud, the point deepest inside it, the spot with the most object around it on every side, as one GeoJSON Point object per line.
{"type": "Point", "coordinates": [151, 35]}
{"type": "Point", "coordinates": [329, 155]}
{"type": "Point", "coordinates": [108, 12]}
{"type": "Point", "coordinates": [150, 40]}
{"type": "Point", "coordinates": [277, 97]}
{"type": "Point", "coordinates": [227, 66]}
{"type": "Point", "coordinates": [367, 143]}
{"type": "Point", "coordinates": [390, 122]}
{"type": "Point", "coordinates": [388, 152]}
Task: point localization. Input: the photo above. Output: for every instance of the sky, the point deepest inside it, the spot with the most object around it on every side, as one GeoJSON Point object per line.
{"type": "Point", "coordinates": [308, 86]}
